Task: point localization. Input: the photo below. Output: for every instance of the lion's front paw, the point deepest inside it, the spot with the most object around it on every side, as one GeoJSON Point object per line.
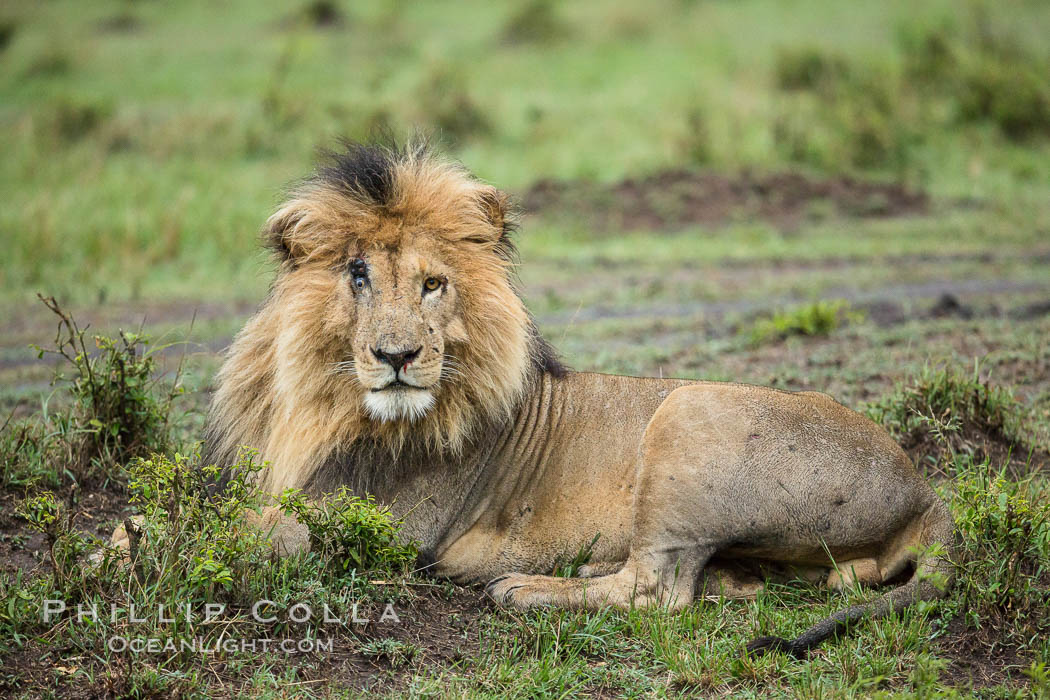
{"type": "Point", "coordinates": [521, 591]}
{"type": "Point", "coordinates": [501, 589]}
{"type": "Point", "coordinates": [120, 540]}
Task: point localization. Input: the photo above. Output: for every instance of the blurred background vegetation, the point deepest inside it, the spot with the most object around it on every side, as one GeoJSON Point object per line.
{"type": "Point", "coordinates": [145, 142]}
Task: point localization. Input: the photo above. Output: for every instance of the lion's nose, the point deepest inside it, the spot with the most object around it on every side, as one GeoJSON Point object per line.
{"type": "Point", "coordinates": [396, 359]}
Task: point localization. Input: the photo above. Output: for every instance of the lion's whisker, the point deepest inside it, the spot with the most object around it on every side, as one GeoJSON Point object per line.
{"type": "Point", "coordinates": [347, 368]}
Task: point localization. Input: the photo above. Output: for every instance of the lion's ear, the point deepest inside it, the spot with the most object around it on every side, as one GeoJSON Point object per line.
{"type": "Point", "coordinates": [277, 236]}
{"type": "Point", "coordinates": [496, 206]}
{"type": "Point", "coordinates": [498, 209]}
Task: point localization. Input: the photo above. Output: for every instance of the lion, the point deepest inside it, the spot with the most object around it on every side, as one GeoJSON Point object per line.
{"type": "Point", "coordinates": [395, 355]}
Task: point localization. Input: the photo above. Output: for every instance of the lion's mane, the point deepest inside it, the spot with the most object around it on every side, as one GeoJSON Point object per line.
{"type": "Point", "coordinates": [277, 392]}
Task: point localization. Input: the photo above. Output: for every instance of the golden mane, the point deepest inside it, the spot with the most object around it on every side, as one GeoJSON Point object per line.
{"type": "Point", "coordinates": [277, 392]}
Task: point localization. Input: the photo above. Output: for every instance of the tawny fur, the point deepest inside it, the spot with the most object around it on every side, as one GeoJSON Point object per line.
{"type": "Point", "coordinates": [517, 464]}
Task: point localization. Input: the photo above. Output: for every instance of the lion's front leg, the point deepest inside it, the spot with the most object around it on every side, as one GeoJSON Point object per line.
{"type": "Point", "coordinates": [640, 583]}
{"type": "Point", "coordinates": [522, 592]}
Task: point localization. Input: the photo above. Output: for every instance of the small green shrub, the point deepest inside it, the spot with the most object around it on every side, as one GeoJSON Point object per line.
{"type": "Point", "coordinates": [1010, 93]}
{"type": "Point", "coordinates": [942, 412]}
{"type": "Point", "coordinates": [875, 134]}
{"type": "Point", "coordinates": [113, 407]}
{"type": "Point", "coordinates": [846, 115]}
{"type": "Point", "coordinates": [1003, 554]}
{"type": "Point", "coordinates": [354, 533]}
{"type": "Point", "coordinates": [817, 319]}
{"type": "Point", "coordinates": [446, 104]}
{"type": "Point", "coordinates": [930, 53]}
{"type": "Point", "coordinates": [322, 13]}
{"type": "Point", "coordinates": [535, 22]}
{"type": "Point", "coordinates": [67, 547]}
{"type": "Point", "coordinates": [7, 33]}
{"type": "Point", "coordinates": [988, 74]}
{"type": "Point", "coordinates": [697, 142]}
{"type": "Point", "coordinates": [808, 68]}
{"type": "Point", "coordinates": [54, 61]}
{"type": "Point", "coordinates": [120, 408]}
{"type": "Point", "coordinates": [72, 120]}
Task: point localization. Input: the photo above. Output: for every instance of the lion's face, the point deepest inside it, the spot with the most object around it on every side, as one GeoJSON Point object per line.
{"type": "Point", "coordinates": [394, 318]}
{"type": "Point", "coordinates": [405, 311]}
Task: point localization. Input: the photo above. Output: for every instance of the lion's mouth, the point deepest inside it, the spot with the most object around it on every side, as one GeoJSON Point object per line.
{"type": "Point", "coordinates": [398, 384]}
{"type": "Point", "coordinates": [398, 400]}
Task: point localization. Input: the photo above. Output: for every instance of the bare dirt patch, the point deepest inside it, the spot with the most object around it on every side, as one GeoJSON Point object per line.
{"type": "Point", "coordinates": [441, 625]}
{"type": "Point", "coordinates": [96, 512]}
{"type": "Point", "coordinates": [676, 199]}
{"type": "Point", "coordinates": [977, 662]}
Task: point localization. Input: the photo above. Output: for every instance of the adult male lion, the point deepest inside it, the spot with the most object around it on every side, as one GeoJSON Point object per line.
{"type": "Point", "coordinates": [395, 355]}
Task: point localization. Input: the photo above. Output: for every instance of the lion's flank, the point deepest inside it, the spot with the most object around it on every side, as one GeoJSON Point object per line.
{"type": "Point", "coordinates": [277, 391]}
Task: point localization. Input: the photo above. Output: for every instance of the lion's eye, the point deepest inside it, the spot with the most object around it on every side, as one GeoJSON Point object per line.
{"type": "Point", "coordinates": [358, 273]}
{"type": "Point", "coordinates": [431, 284]}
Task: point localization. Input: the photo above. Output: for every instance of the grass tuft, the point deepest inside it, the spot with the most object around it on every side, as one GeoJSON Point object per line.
{"type": "Point", "coordinates": [943, 412]}
{"type": "Point", "coordinates": [1002, 565]}
{"type": "Point", "coordinates": [820, 318]}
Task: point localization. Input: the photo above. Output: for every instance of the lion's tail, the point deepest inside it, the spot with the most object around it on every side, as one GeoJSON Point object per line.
{"type": "Point", "coordinates": [932, 578]}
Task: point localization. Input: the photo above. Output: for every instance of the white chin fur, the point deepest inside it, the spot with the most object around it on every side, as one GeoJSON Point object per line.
{"type": "Point", "coordinates": [395, 404]}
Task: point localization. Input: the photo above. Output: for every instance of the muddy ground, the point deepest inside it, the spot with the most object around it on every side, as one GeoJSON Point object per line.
{"type": "Point", "coordinates": [676, 199]}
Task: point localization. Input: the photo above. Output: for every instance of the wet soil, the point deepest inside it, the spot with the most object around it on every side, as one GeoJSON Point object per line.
{"type": "Point", "coordinates": [977, 662]}
{"type": "Point", "coordinates": [441, 624]}
{"type": "Point", "coordinates": [675, 199]}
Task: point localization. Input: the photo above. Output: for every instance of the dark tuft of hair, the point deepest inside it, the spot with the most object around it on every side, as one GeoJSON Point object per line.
{"type": "Point", "coordinates": [363, 170]}
{"type": "Point", "coordinates": [544, 357]}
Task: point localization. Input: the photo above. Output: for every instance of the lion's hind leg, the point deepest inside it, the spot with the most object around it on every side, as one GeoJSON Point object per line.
{"type": "Point", "coordinates": [725, 580]}
{"type": "Point", "coordinates": [857, 572]}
